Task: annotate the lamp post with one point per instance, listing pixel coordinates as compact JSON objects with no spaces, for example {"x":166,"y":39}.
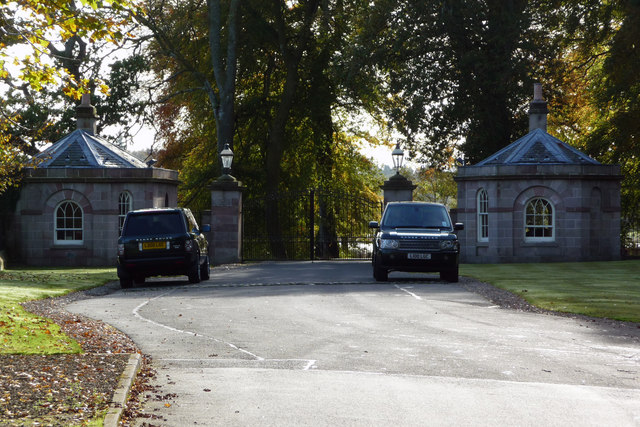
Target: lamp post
{"x":226,"y":214}
{"x":397,"y":155}
{"x":226,"y":155}
{"x":397,"y":188}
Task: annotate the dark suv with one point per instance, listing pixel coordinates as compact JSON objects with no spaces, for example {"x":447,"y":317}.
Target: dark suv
{"x":416,"y":236}
{"x":162,"y":242}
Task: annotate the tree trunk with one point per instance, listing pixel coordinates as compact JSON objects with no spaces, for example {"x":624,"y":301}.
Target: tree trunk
{"x":224,"y":70}
{"x":276,"y":142}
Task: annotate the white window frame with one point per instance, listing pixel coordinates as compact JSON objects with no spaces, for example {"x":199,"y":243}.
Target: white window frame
{"x":125,"y":204}
{"x":537,"y":217}
{"x":69,"y":226}
{"x":482,"y":209}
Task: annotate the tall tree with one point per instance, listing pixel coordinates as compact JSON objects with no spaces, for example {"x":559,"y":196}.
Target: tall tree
{"x":459,"y":71}
{"x":180,"y":42}
{"x":289,"y":81}
{"x":614,"y":134}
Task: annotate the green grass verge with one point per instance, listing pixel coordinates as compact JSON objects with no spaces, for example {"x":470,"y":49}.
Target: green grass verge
{"x":24,"y":333}
{"x":598,"y":289}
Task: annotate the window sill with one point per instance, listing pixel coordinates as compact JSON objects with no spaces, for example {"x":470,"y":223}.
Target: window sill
{"x":541,"y":243}
{"x":67,"y":246}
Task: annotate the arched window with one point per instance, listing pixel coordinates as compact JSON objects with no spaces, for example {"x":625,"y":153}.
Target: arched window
{"x":124,"y":206}
{"x":539,"y":221}
{"x":68,"y":223}
{"x":483,"y":216}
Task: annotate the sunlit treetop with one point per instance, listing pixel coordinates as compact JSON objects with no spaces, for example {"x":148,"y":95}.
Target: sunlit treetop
{"x":30,"y":28}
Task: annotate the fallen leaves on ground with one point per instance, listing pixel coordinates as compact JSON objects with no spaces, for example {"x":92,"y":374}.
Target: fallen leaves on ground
{"x":64,"y":389}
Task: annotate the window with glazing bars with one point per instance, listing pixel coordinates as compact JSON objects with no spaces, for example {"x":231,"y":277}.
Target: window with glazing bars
{"x":124,"y":206}
{"x":539,"y":220}
{"x":68,"y":223}
{"x":483,"y":216}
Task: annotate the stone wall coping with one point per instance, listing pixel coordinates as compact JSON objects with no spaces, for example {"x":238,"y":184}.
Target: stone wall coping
{"x":226,"y":185}
{"x":132,"y":175}
{"x":524,"y":172}
{"x":398,"y":182}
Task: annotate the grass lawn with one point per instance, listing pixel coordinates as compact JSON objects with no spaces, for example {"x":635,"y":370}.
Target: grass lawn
{"x":24,"y":333}
{"x":598,"y":289}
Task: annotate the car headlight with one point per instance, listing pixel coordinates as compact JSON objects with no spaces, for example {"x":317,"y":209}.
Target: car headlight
{"x":120,"y":249}
{"x":447,"y":245}
{"x":188,"y":245}
{"x":388,"y":244}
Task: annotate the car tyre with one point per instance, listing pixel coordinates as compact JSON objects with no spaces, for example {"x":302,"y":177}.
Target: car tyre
{"x":205,"y":270}
{"x":126,"y":282}
{"x":194,"y":272}
{"x":139,"y":280}
{"x":450,"y":275}
{"x":380,"y":274}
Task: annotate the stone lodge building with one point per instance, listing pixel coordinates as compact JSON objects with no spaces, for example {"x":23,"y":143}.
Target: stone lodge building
{"x":72,"y":204}
{"x":539,"y":200}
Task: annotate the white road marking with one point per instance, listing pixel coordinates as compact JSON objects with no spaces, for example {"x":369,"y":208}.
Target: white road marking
{"x":309,"y":365}
{"x":409,"y":292}
{"x":181,"y":331}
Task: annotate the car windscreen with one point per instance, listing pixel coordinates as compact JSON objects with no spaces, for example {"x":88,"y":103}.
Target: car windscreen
{"x":416,"y":216}
{"x":153,"y":224}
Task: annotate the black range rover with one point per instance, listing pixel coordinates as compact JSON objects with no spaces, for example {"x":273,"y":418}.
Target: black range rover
{"x":162,"y":242}
{"x":416,"y":236}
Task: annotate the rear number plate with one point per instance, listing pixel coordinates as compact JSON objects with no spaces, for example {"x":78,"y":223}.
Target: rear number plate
{"x":153,"y":245}
{"x":419,"y":256}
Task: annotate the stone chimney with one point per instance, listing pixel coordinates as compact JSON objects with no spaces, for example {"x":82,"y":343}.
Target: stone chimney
{"x":86,"y":115}
{"x":538,"y":110}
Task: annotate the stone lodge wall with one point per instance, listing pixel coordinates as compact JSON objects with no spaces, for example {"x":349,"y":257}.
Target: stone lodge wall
{"x":586,"y":214}
{"x":97,"y":194}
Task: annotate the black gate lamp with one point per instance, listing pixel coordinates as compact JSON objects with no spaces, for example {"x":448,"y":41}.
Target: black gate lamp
{"x":397,"y":154}
{"x":227,"y":159}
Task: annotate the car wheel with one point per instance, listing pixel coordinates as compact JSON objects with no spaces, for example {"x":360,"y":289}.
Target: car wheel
{"x":450,"y":275}
{"x":194,"y":272}
{"x":380,"y":274}
{"x":205,"y":270}
{"x":126,"y":283}
{"x":139,"y":280}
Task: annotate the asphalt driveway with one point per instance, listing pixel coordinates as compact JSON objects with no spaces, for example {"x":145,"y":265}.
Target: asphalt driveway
{"x":323,"y":344}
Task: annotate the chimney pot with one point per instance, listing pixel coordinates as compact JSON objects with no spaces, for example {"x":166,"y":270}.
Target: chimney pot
{"x":537,"y":92}
{"x":86,"y":116}
{"x":538,"y":110}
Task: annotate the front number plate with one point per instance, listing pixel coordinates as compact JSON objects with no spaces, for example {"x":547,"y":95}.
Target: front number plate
{"x":153,"y":245}
{"x":419,"y":256}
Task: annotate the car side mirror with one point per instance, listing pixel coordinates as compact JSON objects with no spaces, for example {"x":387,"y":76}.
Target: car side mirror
{"x":374,"y":224}
{"x":458,"y":226}
{"x":205,"y":228}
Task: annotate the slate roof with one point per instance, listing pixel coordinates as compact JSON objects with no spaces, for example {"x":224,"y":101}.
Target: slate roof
{"x":538,"y":147}
{"x":81,"y":149}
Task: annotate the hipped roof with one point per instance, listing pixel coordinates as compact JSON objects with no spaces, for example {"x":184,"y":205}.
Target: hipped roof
{"x":81,"y":149}
{"x":538,"y":147}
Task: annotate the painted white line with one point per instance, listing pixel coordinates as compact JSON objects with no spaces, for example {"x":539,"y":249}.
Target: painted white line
{"x":308,"y":364}
{"x":181,"y":331}
{"x":409,"y":292}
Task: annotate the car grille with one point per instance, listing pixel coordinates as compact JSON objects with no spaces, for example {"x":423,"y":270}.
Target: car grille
{"x":419,"y":244}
